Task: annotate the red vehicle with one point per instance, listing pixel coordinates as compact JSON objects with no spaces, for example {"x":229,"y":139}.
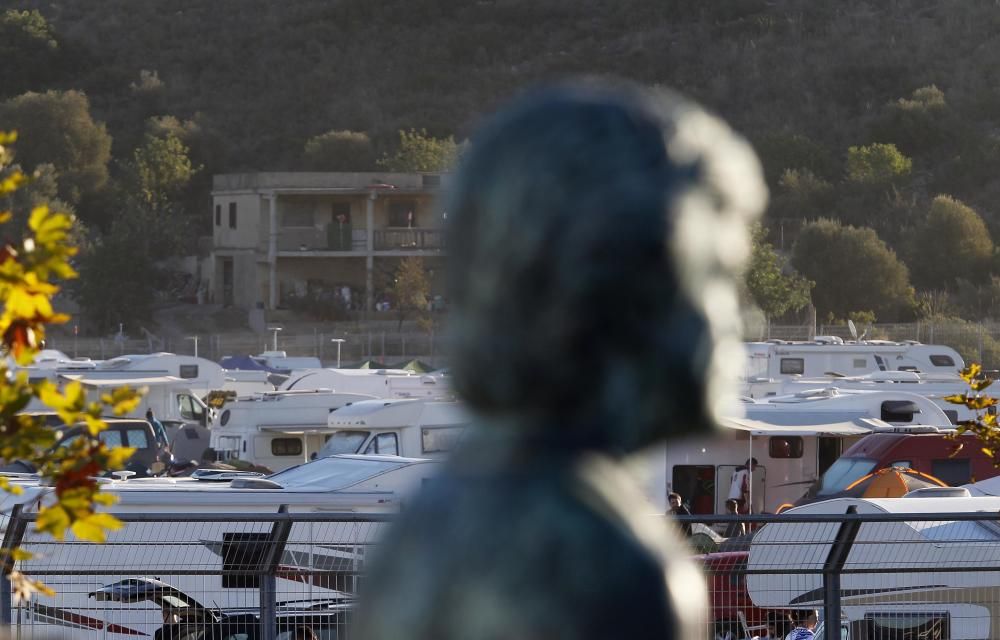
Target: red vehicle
{"x":953,"y":460}
{"x":734,"y":615}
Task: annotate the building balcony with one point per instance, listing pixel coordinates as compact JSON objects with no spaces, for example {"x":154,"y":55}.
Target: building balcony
{"x":343,"y":239}
{"x":413,"y":239}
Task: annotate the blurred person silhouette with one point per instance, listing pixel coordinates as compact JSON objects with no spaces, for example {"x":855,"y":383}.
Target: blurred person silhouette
{"x":677,"y":508}
{"x":736,"y":528}
{"x":595,"y":233}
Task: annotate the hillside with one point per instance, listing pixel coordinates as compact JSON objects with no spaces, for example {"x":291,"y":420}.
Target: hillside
{"x":250,"y":81}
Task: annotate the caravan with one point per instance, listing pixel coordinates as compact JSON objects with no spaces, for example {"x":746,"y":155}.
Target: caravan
{"x":381,"y":383}
{"x":406,"y":427}
{"x":794,"y":438}
{"x":278,"y":429}
{"x":903,"y":577}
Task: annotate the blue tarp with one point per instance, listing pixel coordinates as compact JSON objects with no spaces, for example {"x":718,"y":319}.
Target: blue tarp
{"x":246,"y":363}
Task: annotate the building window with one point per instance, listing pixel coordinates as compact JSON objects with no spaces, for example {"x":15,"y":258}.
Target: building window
{"x":431,"y":180}
{"x":786,"y":446}
{"x":232,"y":215}
{"x":218,"y":215}
{"x":403,"y":213}
{"x":341,"y":211}
{"x":286,"y":447}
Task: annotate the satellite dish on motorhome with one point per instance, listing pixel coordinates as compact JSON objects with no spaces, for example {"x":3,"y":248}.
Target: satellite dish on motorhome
{"x":853,"y":329}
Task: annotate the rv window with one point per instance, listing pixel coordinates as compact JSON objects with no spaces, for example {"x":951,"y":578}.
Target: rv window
{"x":952,"y":415}
{"x":942,"y":361}
{"x":908,"y":367}
{"x":954,"y":471}
{"x":386,"y":444}
{"x":189,"y":371}
{"x":843,"y":472}
{"x":186,"y":406}
{"x":898,"y":411}
{"x":344,"y":442}
{"x":785,"y":446}
{"x":860,"y":363}
{"x":439,"y":439}
{"x":137,"y":438}
{"x":904,"y":624}
{"x":793,"y":366}
{"x":906,"y":464}
{"x":880,"y":362}
{"x":286,"y":447}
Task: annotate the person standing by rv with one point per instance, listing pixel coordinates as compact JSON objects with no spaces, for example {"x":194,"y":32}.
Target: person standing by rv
{"x":678,"y":509}
{"x":739,"y":488}
{"x":735,"y":528}
{"x":804,"y":628}
{"x":158,"y":428}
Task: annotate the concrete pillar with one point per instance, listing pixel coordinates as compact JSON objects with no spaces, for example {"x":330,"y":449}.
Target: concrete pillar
{"x":272,"y":253}
{"x":370,"y":252}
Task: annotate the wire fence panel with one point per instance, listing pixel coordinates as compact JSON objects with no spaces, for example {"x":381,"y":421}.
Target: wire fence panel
{"x":183,"y":579}
{"x":187,"y":576}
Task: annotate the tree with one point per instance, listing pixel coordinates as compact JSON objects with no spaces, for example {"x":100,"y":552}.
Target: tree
{"x":417,"y":151}
{"x":158,"y":173}
{"x":339,"y":151}
{"x":781,"y":151}
{"x":30,"y":51}
{"x":853,"y":271}
{"x":410,"y":292}
{"x":918,"y":124}
{"x":771,"y":289}
{"x":952,"y":243}
{"x":28,"y":274}
{"x":118,"y":280}
{"x":802,"y":195}
{"x":62,"y":133}
{"x":877,"y":165}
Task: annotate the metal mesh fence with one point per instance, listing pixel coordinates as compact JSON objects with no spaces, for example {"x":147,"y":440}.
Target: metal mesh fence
{"x":197,"y":576}
{"x":191,"y":576}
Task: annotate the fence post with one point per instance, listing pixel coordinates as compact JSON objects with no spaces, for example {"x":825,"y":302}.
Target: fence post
{"x":831,"y":572}
{"x":11,"y":538}
{"x":268,"y":578}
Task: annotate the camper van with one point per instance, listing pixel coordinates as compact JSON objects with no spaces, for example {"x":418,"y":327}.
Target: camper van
{"x":278,"y":429}
{"x":953,"y":460}
{"x":779,"y":359}
{"x":381,"y":383}
{"x":885,"y":593}
{"x":794,"y":439}
{"x":415,"y":428}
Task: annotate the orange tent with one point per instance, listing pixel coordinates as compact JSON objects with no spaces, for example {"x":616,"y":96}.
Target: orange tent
{"x":890,"y":482}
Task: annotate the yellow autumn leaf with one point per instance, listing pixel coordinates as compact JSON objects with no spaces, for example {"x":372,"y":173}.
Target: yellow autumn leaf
{"x":955,"y":399}
{"x":8,"y":137}
{"x":6,"y":216}
{"x":971,"y":372}
{"x":118,"y":456}
{"x":17,"y":553}
{"x":980,"y":402}
{"x":105,"y":499}
{"x":94,"y":425}
{"x":86,"y":530}
{"x":53,"y":520}
{"x":988,"y":452}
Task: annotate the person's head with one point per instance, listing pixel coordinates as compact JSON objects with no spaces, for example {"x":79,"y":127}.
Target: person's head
{"x":732,"y":505}
{"x":809,"y":619}
{"x":595,"y":236}
{"x":303,"y":633}
{"x":675,"y":500}
{"x":751,"y":464}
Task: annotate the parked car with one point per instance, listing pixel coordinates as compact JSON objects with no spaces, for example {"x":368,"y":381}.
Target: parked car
{"x":151,"y":457}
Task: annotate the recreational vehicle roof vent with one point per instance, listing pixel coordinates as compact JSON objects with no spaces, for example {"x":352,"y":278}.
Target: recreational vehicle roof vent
{"x":254,"y":483}
{"x":828,"y":340}
{"x":222,"y":475}
{"x":939,"y":492}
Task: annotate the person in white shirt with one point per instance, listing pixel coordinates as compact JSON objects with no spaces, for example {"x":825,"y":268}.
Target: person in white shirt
{"x":739,"y":488}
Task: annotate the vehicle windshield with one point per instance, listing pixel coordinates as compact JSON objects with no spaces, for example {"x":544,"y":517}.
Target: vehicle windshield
{"x":842,"y":473}
{"x":332,"y":473}
{"x":344,"y":442}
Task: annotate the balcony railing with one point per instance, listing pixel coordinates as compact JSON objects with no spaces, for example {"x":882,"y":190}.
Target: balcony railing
{"x":409,"y":239}
{"x":355,"y":240}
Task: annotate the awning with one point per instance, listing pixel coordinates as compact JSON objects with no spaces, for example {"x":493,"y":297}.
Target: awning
{"x":299,"y":429}
{"x":120,"y":381}
{"x":858,"y":427}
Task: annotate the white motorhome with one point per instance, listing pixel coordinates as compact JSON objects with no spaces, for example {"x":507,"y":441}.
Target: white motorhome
{"x":935,"y":387}
{"x":181,"y":552}
{"x":278,"y":429}
{"x":794,"y":438}
{"x":200,"y":375}
{"x":889,"y":595}
{"x":381,"y":383}
{"x":406,"y":427}
{"x":778,"y":359}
